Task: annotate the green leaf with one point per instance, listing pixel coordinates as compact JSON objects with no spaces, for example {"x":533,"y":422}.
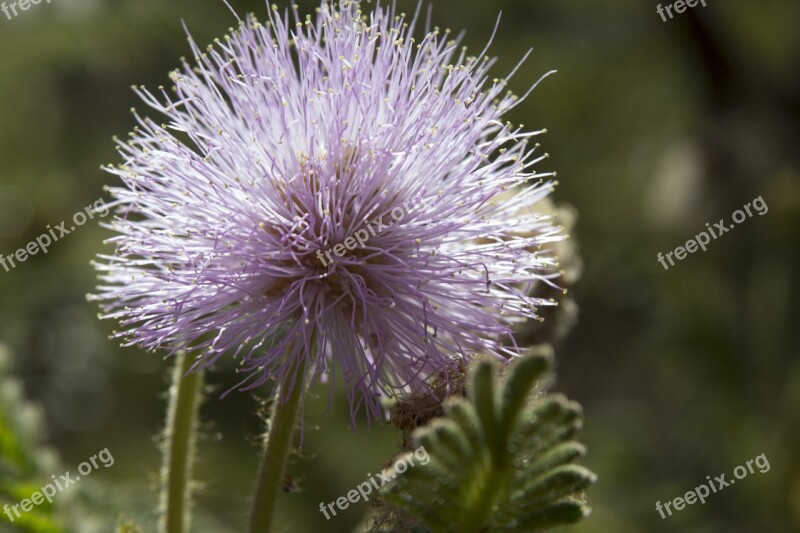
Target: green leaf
{"x":501,"y":459}
{"x":23,"y":461}
{"x":128,"y":526}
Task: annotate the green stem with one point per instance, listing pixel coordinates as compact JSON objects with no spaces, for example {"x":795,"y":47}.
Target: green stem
{"x":179,"y":447}
{"x":276,"y":450}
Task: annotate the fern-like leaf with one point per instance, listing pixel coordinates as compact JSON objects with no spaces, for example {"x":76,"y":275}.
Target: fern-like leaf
{"x":22,"y":459}
{"x":501,"y":459}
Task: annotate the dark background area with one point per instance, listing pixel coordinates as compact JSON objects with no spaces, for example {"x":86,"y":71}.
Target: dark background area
{"x":654,"y":128}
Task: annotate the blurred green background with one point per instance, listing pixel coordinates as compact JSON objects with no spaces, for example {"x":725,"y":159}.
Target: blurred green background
{"x":655,"y":129}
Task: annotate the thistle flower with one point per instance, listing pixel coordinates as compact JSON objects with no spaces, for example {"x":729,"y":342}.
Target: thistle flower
{"x":283,"y":141}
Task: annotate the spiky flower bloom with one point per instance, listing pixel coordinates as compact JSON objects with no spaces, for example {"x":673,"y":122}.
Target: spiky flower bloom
{"x":291,"y":139}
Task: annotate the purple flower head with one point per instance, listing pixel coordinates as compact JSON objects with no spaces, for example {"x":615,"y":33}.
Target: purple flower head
{"x":241,"y":224}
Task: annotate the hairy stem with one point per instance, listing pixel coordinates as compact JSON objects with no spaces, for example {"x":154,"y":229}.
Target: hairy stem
{"x":276,"y":449}
{"x":185,"y":396}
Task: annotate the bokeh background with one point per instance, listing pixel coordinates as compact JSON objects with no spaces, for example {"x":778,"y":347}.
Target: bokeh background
{"x":654,"y":128}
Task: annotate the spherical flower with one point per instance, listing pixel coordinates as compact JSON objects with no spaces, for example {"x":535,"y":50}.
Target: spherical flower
{"x":325,"y":191}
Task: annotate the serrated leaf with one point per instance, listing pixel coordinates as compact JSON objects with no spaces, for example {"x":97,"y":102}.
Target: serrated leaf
{"x":500,"y":460}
